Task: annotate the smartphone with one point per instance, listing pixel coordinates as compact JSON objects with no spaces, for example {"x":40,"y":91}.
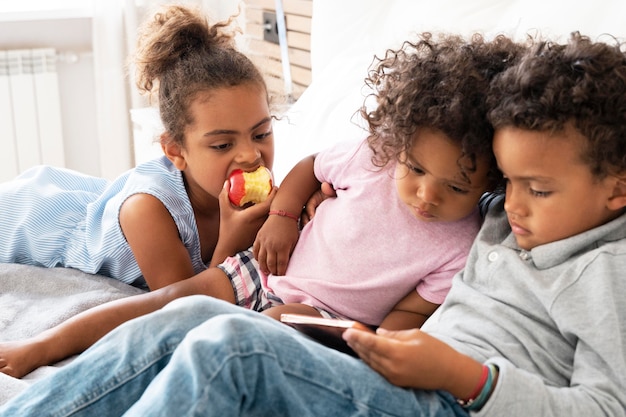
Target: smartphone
{"x":325,"y":331}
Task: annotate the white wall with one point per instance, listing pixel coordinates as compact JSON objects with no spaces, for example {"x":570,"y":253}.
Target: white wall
{"x":76,"y":81}
{"x":220,"y":9}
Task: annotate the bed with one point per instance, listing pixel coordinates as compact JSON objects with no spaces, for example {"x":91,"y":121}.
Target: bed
{"x":33,"y":299}
{"x":345,"y":35}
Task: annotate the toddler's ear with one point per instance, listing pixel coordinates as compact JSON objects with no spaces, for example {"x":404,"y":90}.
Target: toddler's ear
{"x":617,"y":201}
{"x":173,"y":151}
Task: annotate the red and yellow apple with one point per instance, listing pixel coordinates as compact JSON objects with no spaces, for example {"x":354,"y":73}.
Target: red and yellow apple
{"x":249,"y":187}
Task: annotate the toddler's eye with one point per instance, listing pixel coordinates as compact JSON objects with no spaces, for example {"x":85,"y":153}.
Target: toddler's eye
{"x":458,"y":190}
{"x":263,"y":135}
{"x":413,"y":168}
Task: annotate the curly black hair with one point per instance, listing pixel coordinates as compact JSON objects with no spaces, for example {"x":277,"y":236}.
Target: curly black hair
{"x":438,"y":83}
{"x":581,"y":82}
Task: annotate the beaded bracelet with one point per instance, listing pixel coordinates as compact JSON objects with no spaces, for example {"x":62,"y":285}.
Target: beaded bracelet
{"x":481,"y":383}
{"x":283,"y":213}
{"x":480,"y":396}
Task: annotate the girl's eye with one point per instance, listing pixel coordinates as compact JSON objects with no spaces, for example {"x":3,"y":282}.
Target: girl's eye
{"x":263,"y":135}
{"x":536,"y":193}
{"x":221,"y":147}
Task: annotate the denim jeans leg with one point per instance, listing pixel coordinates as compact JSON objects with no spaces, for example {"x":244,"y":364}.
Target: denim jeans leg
{"x":110,"y":376}
{"x":238,"y":365}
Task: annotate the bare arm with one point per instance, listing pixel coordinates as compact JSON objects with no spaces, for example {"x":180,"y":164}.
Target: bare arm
{"x":153,"y":238}
{"x":83,"y":330}
{"x":411,"y":312}
{"x":278,"y":235}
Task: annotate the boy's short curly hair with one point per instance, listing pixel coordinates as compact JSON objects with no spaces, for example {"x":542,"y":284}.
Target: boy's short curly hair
{"x":581,"y":82}
{"x":439,"y":83}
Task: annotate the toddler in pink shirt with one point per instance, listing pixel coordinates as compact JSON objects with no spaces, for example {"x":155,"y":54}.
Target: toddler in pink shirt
{"x":385,"y":249}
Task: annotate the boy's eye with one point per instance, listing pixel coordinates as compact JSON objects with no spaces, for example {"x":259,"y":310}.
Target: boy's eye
{"x":536,"y":193}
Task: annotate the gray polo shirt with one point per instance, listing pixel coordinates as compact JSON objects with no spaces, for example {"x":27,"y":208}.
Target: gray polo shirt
{"x":553,"y":319}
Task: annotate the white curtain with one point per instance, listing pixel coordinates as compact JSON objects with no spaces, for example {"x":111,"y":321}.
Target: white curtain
{"x":110,"y":51}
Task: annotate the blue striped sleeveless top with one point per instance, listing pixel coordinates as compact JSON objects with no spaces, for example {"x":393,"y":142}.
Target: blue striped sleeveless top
{"x":57,"y":217}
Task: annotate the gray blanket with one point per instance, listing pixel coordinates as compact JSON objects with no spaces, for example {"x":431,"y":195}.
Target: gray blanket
{"x":33,"y":299}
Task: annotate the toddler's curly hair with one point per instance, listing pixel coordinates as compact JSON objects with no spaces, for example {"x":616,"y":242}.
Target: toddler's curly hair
{"x":438,"y":83}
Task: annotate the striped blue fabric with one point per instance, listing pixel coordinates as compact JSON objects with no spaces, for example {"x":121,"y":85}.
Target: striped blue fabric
{"x":57,"y":217}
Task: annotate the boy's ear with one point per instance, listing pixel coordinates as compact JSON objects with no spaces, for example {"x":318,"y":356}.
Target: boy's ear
{"x":617,"y":201}
{"x":173,"y":151}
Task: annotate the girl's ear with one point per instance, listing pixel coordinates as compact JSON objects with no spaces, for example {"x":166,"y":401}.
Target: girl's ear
{"x":173,"y":151}
{"x":617,"y":201}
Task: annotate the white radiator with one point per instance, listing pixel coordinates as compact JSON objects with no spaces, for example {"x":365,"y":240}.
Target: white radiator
{"x":30,"y":111}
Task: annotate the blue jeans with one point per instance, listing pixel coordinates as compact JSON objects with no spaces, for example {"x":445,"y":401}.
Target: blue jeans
{"x":200,"y":356}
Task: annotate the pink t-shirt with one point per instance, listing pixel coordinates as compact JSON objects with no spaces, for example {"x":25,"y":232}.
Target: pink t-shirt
{"x":364,"y":250}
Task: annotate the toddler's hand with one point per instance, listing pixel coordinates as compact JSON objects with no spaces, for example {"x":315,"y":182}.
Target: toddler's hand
{"x":274,"y":243}
{"x":326,"y":191}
